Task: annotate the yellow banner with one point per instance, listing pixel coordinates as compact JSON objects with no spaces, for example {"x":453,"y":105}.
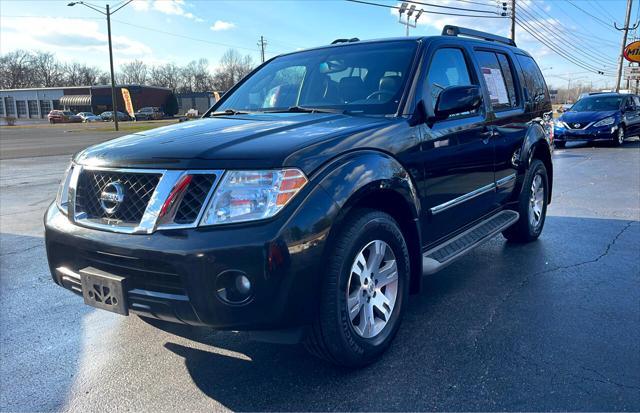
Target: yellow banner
{"x":126,"y":96}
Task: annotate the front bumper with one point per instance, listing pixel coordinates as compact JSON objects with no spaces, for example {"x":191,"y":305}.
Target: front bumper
{"x":605,"y":133}
{"x":172,"y":274}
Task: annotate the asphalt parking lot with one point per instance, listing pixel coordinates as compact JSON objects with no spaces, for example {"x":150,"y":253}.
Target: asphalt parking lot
{"x":552,"y":325}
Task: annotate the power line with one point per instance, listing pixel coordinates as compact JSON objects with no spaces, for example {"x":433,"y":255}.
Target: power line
{"x":604,"y":10}
{"x":604,"y":23}
{"x":542,"y":28}
{"x":588,"y":37}
{"x":450,"y":7}
{"x":185,"y":37}
{"x":477,"y":3}
{"x":427,"y":11}
{"x":527,"y":28}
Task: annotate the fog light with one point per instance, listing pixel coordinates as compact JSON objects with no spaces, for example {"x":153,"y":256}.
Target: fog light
{"x":243,"y":285}
{"x":233,"y":287}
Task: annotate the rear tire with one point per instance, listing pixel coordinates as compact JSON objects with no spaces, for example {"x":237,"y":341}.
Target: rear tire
{"x":532,"y":205}
{"x":364,"y":291}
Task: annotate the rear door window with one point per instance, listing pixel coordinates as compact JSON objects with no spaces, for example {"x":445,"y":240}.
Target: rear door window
{"x":448,"y":68}
{"x":498,"y":78}
{"x":533,"y":79}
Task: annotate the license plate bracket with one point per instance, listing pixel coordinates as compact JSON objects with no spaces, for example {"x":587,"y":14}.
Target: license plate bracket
{"x":103,"y":290}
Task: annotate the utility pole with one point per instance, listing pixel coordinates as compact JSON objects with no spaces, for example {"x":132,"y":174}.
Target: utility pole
{"x":262,"y":43}
{"x":513,"y":20}
{"x":107,"y":12}
{"x":625,"y":31}
{"x":113,"y":79}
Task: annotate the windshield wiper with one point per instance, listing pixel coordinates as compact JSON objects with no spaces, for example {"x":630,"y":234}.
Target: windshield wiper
{"x":228,"y":112}
{"x":300,"y":109}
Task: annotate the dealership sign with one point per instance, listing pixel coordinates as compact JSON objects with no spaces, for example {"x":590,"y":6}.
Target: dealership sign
{"x":632,"y":52}
{"x":632,"y":73}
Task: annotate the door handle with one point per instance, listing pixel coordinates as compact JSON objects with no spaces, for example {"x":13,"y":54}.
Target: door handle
{"x":487,"y":135}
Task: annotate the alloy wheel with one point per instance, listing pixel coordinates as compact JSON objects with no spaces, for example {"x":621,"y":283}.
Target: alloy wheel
{"x":372,"y":289}
{"x":536,"y":201}
{"x":620,"y":136}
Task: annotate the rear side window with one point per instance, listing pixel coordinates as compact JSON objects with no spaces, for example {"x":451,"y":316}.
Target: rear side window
{"x":448,"y":68}
{"x":533,"y":79}
{"x":636,"y":101}
{"x":498,"y":76}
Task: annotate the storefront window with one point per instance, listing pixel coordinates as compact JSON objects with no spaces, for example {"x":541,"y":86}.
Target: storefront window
{"x":21,"y":106}
{"x":33,"y":108}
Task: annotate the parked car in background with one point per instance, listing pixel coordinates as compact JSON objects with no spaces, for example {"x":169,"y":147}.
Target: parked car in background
{"x":565,"y":107}
{"x":63,"y":116}
{"x":108,"y":115}
{"x":149,"y":113}
{"x":312,"y":198}
{"x":609,"y":117}
{"x":89,"y":117}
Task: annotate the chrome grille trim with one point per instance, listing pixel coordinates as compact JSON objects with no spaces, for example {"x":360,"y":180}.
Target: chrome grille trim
{"x":148,"y":223}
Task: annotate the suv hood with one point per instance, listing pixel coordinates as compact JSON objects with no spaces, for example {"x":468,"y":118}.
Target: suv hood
{"x":241,"y":141}
{"x":586,"y":117}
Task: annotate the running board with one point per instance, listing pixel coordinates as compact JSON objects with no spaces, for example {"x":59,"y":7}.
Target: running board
{"x":439,"y":257}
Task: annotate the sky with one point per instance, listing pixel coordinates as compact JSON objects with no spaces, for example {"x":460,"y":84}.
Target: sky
{"x":163,"y":31}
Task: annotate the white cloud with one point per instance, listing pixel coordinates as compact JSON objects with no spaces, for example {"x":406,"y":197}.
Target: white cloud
{"x":220,"y":25}
{"x":174,"y":7}
{"x":65,"y":37}
{"x":169,"y":7}
{"x":141,"y":5}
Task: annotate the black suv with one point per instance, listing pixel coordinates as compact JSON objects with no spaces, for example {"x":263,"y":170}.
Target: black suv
{"x":311,"y":199}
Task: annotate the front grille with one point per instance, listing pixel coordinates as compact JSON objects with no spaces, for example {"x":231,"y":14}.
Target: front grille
{"x":138,"y":189}
{"x":194,"y":198}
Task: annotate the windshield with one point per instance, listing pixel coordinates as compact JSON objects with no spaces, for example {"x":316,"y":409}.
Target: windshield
{"x":597,"y":104}
{"x":365,"y":78}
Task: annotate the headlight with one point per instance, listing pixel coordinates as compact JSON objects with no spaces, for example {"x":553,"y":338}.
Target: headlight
{"x":605,"y":122}
{"x":62,"y":197}
{"x":252,"y":195}
{"x":558,"y":124}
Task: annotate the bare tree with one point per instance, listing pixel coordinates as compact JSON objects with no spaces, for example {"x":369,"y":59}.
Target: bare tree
{"x":46,"y":70}
{"x":168,"y":75}
{"x":195,"y":77}
{"x":15,"y":70}
{"x":134,"y":72}
{"x":233,"y":67}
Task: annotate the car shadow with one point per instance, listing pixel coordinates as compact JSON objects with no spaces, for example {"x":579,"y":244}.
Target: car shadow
{"x":631,"y":142}
{"x":475,"y":338}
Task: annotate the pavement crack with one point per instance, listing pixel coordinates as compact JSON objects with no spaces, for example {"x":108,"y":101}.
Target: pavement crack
{"x":33,"y":247}
{"x":492,"y":314}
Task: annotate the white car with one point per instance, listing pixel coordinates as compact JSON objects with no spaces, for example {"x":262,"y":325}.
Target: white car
{"x":89,"y":117}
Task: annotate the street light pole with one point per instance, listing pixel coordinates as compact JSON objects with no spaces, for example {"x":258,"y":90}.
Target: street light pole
{"x":107,"y":12}
{"x":113,"y":80}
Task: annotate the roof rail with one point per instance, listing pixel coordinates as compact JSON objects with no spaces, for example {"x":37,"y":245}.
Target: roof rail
{"x":450,"y":30}
{"x":353,"y":39}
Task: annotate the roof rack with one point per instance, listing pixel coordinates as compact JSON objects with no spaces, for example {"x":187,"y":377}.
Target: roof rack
{"x":450,"y":30}
{"x":353,"y":39}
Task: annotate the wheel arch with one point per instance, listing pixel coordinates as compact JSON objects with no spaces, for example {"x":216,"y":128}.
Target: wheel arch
{"x":536,"y":146}
{"x":376,"y":180}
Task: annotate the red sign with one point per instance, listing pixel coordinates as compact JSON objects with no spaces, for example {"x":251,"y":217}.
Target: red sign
{"x":632,"y":52}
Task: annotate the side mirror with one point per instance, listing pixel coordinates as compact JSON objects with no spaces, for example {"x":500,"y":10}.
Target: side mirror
{"x":457,"y":99}
{"x":419,"y":115}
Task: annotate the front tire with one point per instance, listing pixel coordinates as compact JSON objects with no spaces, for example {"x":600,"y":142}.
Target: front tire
{"x":532,"y":205}
{"x":364,"y":291}
{"x":620,"y":136}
